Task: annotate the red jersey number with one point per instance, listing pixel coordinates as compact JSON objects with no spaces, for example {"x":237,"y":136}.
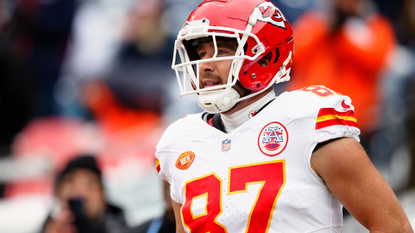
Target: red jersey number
{"x":210,"y":188}
{"x":321,"y":91}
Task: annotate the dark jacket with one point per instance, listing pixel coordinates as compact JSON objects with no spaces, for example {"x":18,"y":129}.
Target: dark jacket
{"x":155,"y":225}
{"x":113,"y":221}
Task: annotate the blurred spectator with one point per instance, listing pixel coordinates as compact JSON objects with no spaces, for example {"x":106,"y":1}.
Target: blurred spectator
{"x":162,"y":224}
{"x":407,"y":27}
{"x":345,"y":51}
{"x":143,"y":63}
{"x":410,"y":124}
{"x":141,"y":77}
{"x":112,"y":114}
{"x":95,"y":40}
{"x":295,"y":8}
{"x":16,"y":105}
{"x":40,"y":31}
{"x":402,"y":15}
{"x":82,"y":206}
{"x":393,"y":143}
{"x":389,"y":144}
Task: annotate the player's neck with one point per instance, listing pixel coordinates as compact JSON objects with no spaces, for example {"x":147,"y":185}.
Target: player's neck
{"x":233,"y":120}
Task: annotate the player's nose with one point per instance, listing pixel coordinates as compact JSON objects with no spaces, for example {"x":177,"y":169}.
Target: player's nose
{"x":206,"y":66}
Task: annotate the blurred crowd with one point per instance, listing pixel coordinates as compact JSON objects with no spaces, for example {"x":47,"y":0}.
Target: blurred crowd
{"x":93,"y":77}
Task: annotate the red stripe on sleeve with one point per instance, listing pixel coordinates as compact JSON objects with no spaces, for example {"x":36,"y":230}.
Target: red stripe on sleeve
{"x":329,"y":117}
{"x":329,"y":111}
{"x":337,"y":121}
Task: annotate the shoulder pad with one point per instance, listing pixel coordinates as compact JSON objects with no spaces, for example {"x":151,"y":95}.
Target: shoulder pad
{"x":318,"y":100}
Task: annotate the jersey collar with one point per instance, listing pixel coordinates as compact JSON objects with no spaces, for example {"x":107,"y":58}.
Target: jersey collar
{"x":227,"y":123}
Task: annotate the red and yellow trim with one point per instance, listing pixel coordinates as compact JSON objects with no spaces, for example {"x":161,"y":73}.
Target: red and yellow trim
{"x":158,"y":165}
{"x":329,"y":117}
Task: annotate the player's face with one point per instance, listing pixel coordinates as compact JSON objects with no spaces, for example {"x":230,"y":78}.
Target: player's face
{"x":215,"y":73}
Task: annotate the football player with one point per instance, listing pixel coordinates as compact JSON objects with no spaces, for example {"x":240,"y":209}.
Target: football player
{"x":254,"y":161}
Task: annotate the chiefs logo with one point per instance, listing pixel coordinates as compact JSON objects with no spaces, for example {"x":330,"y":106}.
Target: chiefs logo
{"x":273,"y":139}
{"x":270,"y":14}
{"x":185,"y":160}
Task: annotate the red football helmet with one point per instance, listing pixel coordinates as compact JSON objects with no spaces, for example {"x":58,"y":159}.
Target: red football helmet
{"x":259,"y":29}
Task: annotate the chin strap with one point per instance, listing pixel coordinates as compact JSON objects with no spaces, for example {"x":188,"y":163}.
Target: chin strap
{"x":284,"y":73}
{"x":218,"y":101}
{"x":223,"y":100}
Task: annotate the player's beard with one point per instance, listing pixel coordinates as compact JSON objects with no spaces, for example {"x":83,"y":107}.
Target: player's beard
{"x":210,"y":76}
{"x":238,"y":86}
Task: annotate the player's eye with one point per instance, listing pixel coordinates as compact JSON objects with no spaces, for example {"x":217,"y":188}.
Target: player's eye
{"x":202,"y":55}
{"x":223,"y":52}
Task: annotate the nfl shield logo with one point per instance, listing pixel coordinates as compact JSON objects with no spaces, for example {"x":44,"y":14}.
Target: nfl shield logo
{"x":226,"y":145}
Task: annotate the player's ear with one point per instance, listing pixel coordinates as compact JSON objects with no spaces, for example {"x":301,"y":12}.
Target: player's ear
{"x":265,"y":60}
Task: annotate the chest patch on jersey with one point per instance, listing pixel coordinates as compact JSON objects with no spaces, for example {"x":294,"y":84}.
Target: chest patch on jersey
{"x":185,"y":160}
{"x":226,"y":145}
{"x":273,"y":139}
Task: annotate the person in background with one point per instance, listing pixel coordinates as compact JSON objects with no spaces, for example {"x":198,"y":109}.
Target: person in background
{"x":162,"y":224}
{"x":82,"y":206}
{"x":40,"y":33}
{"x":345,"y":49}
{"x":16,"y":104}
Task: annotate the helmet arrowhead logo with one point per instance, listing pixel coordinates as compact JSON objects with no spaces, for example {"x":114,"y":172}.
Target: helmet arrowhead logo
{"x":271,"y":14}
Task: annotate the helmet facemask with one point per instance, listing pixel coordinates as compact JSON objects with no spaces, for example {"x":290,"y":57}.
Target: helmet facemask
{"x":217,"y":98}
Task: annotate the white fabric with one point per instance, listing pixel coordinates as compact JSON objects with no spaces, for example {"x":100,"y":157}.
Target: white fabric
{"x":234,"y":120}
{"x":304,"y":203}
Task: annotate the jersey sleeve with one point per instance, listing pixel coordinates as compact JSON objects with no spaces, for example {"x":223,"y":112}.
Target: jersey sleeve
{"x":162,"y":155}
{"x":328,"y":114}
{"x":334,"y":115}
{"x":164,"y":160}
{"x":336,"y":119}
{"x":167,"y":152}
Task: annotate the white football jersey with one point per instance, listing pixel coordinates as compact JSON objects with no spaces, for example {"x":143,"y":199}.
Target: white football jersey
{"x":258,"y":178}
